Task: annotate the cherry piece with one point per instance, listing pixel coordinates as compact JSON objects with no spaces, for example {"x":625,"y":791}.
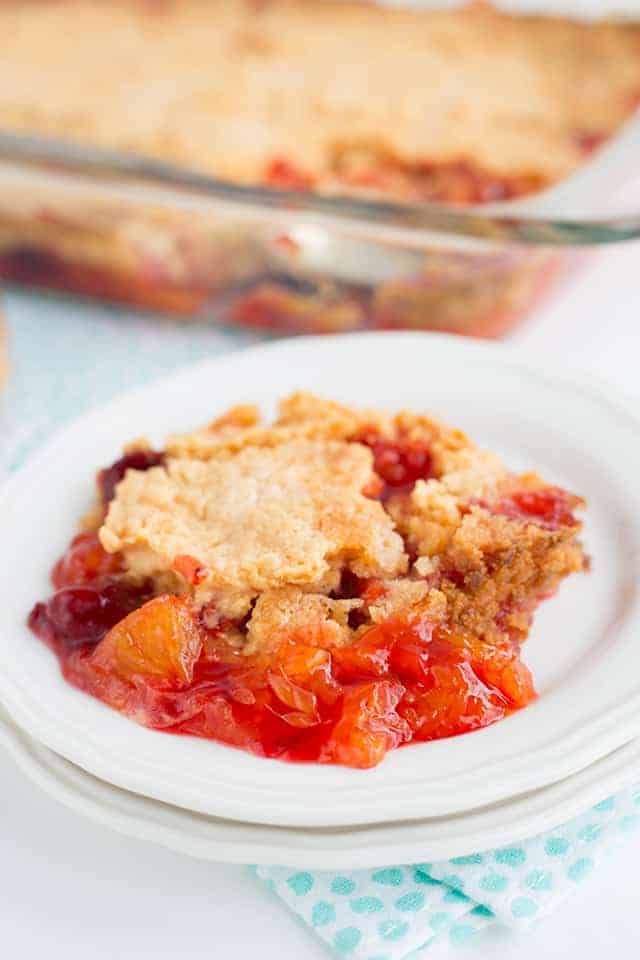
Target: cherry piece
{"x":110,"y":477}
{"x":399,"y":464}
{"x":552,"y":507}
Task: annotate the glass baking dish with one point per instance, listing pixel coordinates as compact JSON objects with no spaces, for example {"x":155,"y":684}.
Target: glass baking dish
{"x":137,"y":231}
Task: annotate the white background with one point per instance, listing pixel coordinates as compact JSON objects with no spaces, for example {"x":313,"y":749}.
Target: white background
{"x":70,"y":890}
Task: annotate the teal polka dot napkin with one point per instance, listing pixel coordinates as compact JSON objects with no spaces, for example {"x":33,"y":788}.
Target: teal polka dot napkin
{"x":394,"y":912}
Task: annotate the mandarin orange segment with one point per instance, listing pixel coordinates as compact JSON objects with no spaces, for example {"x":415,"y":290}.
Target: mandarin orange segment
{"x":369,"y":725}
{"x":294,"y":696}
{"x":369,"y":657}
{"x":455,"y":702}
{"x":497,"y":663}
{"x":513,"y":679}
{"x":160,"y":639}
{"x":310,"y":667}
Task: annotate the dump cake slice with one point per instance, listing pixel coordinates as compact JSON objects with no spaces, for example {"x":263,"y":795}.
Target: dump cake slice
{"x":323,"y":588}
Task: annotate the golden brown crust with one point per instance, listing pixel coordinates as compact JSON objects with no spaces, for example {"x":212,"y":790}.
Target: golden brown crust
{"x":501,"y":564}
{"x":399,"y":596}
{"x":301,"y":416}
{"x":262,"y":521}
{"x":226,"y":86}
{"x":259,"y":519}
{"x":289,"y":613}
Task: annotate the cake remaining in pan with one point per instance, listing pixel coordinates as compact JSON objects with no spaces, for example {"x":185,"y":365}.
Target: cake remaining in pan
{"x":461,"y":107}
{"x":458,"y":105}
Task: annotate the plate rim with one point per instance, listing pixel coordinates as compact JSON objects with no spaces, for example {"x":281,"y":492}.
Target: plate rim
{"x":606,"y":734}
{"x":379,"y":845}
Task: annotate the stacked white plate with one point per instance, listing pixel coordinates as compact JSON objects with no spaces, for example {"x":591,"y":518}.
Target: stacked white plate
{"x":573,"y":746}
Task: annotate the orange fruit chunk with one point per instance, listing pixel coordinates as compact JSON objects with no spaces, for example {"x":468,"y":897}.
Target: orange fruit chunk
{"x":160,"y":639}
{"x":369,"y":725}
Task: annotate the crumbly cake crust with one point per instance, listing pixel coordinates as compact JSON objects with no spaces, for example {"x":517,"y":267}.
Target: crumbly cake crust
{"x":301,"y":417}
{"x":290,"y":613}
{"x":261,"y":521}
{"x":229,"y":86}
{"x":258,"y":519}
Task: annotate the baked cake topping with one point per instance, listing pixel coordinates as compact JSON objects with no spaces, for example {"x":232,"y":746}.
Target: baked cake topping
{"x":255,"y":520}
{"x":323,"y":588}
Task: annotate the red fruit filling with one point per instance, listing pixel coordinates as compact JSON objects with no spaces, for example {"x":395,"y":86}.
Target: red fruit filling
{"x":84,"y":562}
{"x":398,"y":464}
{"x":155,"y":660}
{"x":83,"y":615}
{"x":171,"y":667}
{"x":287,"y":175}
{"x":550,"y":507}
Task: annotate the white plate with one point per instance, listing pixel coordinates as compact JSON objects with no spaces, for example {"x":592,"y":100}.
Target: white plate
{"x":379,"y":845}
{"x":584,"y":651}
